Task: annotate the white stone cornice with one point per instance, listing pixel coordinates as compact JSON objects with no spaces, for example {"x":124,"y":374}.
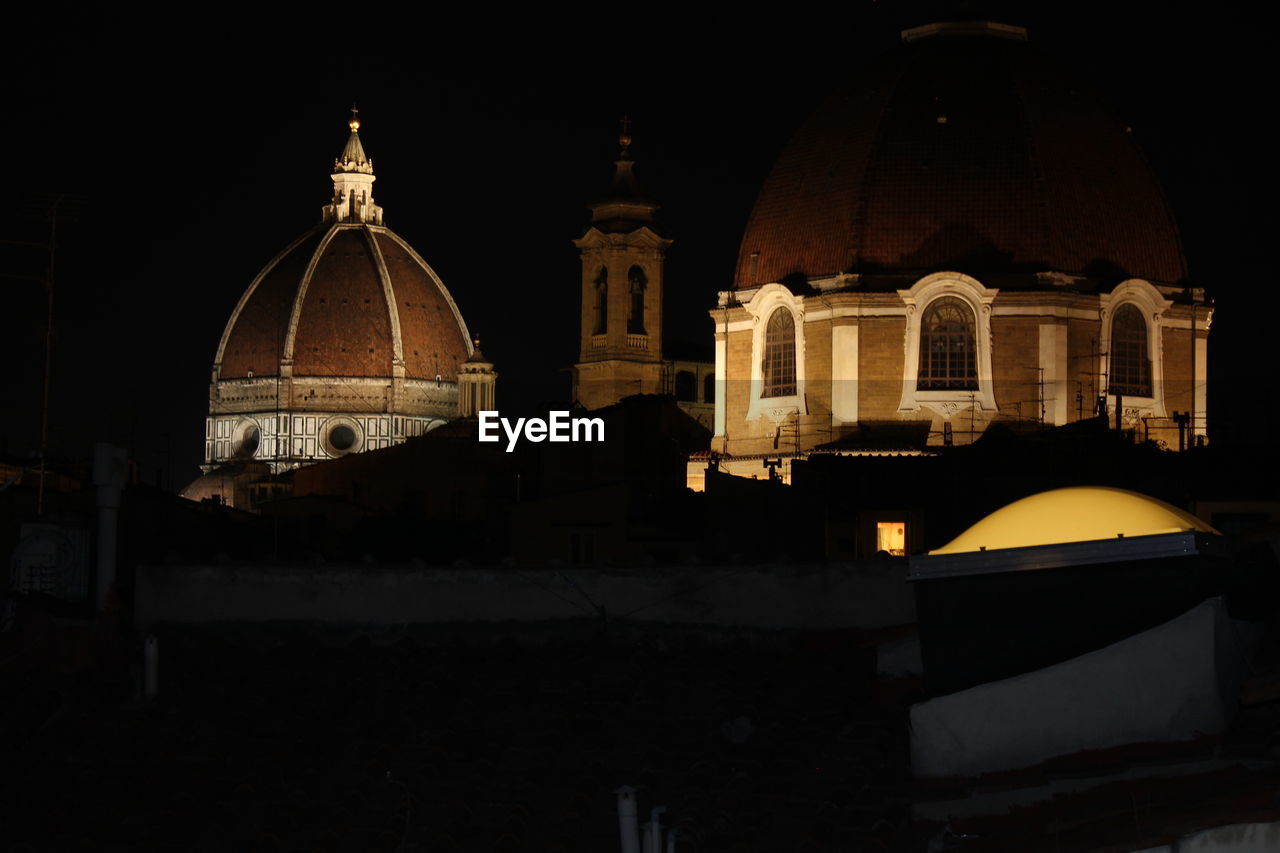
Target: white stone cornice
{"x":642,"y":237}
{"x":1138,"y":291}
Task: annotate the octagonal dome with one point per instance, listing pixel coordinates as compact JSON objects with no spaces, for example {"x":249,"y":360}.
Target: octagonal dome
{"x":348,"y":299}
{"x":965,"y":150}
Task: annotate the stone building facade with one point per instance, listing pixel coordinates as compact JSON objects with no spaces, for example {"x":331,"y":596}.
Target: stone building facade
{"x":961,"y":238}
{"x":622,"y":254}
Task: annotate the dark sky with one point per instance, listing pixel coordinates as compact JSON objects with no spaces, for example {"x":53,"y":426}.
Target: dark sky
{"x":194,"y":150}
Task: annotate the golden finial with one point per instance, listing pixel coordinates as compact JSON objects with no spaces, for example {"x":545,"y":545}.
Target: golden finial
{"x":354,"y":124}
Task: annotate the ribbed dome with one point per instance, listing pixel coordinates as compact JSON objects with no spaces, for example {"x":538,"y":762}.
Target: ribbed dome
{"x":961,"y":151}
{"x":1076,"y":514}
{"x":348,"y":299}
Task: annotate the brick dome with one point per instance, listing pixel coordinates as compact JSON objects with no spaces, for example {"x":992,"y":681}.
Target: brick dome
{"x":346,"y":341}
{"x":963,"y":150}
{"x":348,"y":299}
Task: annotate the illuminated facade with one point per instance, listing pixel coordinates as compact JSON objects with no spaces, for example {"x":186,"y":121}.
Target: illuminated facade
{"x":961,"y":238}
{"x":622,"y":253}
{"x":621,"y":350}
{"x":346,"y":341}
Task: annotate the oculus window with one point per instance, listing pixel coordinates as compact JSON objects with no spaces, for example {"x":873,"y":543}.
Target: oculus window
{"x":342,"y":437}
{"x":250,"y":438}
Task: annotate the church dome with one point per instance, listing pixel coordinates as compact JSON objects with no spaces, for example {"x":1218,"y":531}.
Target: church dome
{"x":1077,"y":514}
{"x":357,"y":299}
{"x":350,"y":298}
{"x":963,"y":150}
{"x":347,"y":341}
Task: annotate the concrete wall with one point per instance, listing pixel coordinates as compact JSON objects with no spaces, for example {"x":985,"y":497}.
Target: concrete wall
{"x":1162,"y":685}
{"x":765,"y":597}
{"x":1236,"y":838}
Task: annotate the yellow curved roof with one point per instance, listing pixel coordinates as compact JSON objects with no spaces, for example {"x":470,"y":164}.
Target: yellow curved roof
{"x":1077,"y":514}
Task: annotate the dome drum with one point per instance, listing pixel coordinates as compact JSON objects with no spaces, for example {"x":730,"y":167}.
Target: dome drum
{"x":288,"y":440}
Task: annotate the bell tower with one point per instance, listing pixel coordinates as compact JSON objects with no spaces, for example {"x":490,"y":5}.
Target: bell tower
{"x":622,"y":254}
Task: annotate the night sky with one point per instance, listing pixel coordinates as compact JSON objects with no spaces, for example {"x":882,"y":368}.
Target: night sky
{"x":193,"y":150}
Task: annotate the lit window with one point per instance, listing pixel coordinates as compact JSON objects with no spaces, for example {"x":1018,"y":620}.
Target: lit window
{"x":948,"y":356}
{"x":637,"y":281}
{"x":1130,"y":367}
{"x":891,"y":538}
{"x":779,"y":367}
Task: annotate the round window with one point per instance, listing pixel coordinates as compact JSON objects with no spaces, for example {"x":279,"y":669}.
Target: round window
{"x":342,"y":437}
{"x":249,"y":440}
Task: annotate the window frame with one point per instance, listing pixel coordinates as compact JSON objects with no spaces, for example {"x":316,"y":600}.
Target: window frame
{"x":950,"y":380}
{"x":777,"y":351}
{"x":1153,"y":307}
{"x":978,"y":299}
{"x":600,"y":312}
{"x":636,"y":299}
{"x":761,"y":307}
{"x":1136,"y":354}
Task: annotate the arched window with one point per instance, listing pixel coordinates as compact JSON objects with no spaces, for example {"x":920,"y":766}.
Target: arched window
{"x":686,"y":387}
{"x":602,"y":302}
{"x":709,"y":388}
{"x":1130,"y":366}
{"x":637,"y":281}
{"x":779,"y":366}
{"x":948,"y":355}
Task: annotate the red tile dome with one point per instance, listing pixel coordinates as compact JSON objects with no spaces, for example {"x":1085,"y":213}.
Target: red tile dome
{"x":964,"y":150}
{"x":348,"y":299}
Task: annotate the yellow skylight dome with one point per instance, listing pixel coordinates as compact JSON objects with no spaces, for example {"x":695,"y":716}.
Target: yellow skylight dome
{"x":1077,"y":514}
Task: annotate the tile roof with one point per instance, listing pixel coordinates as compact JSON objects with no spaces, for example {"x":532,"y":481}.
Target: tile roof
{"x":970,"y":153}
{"x":344,"y":322}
